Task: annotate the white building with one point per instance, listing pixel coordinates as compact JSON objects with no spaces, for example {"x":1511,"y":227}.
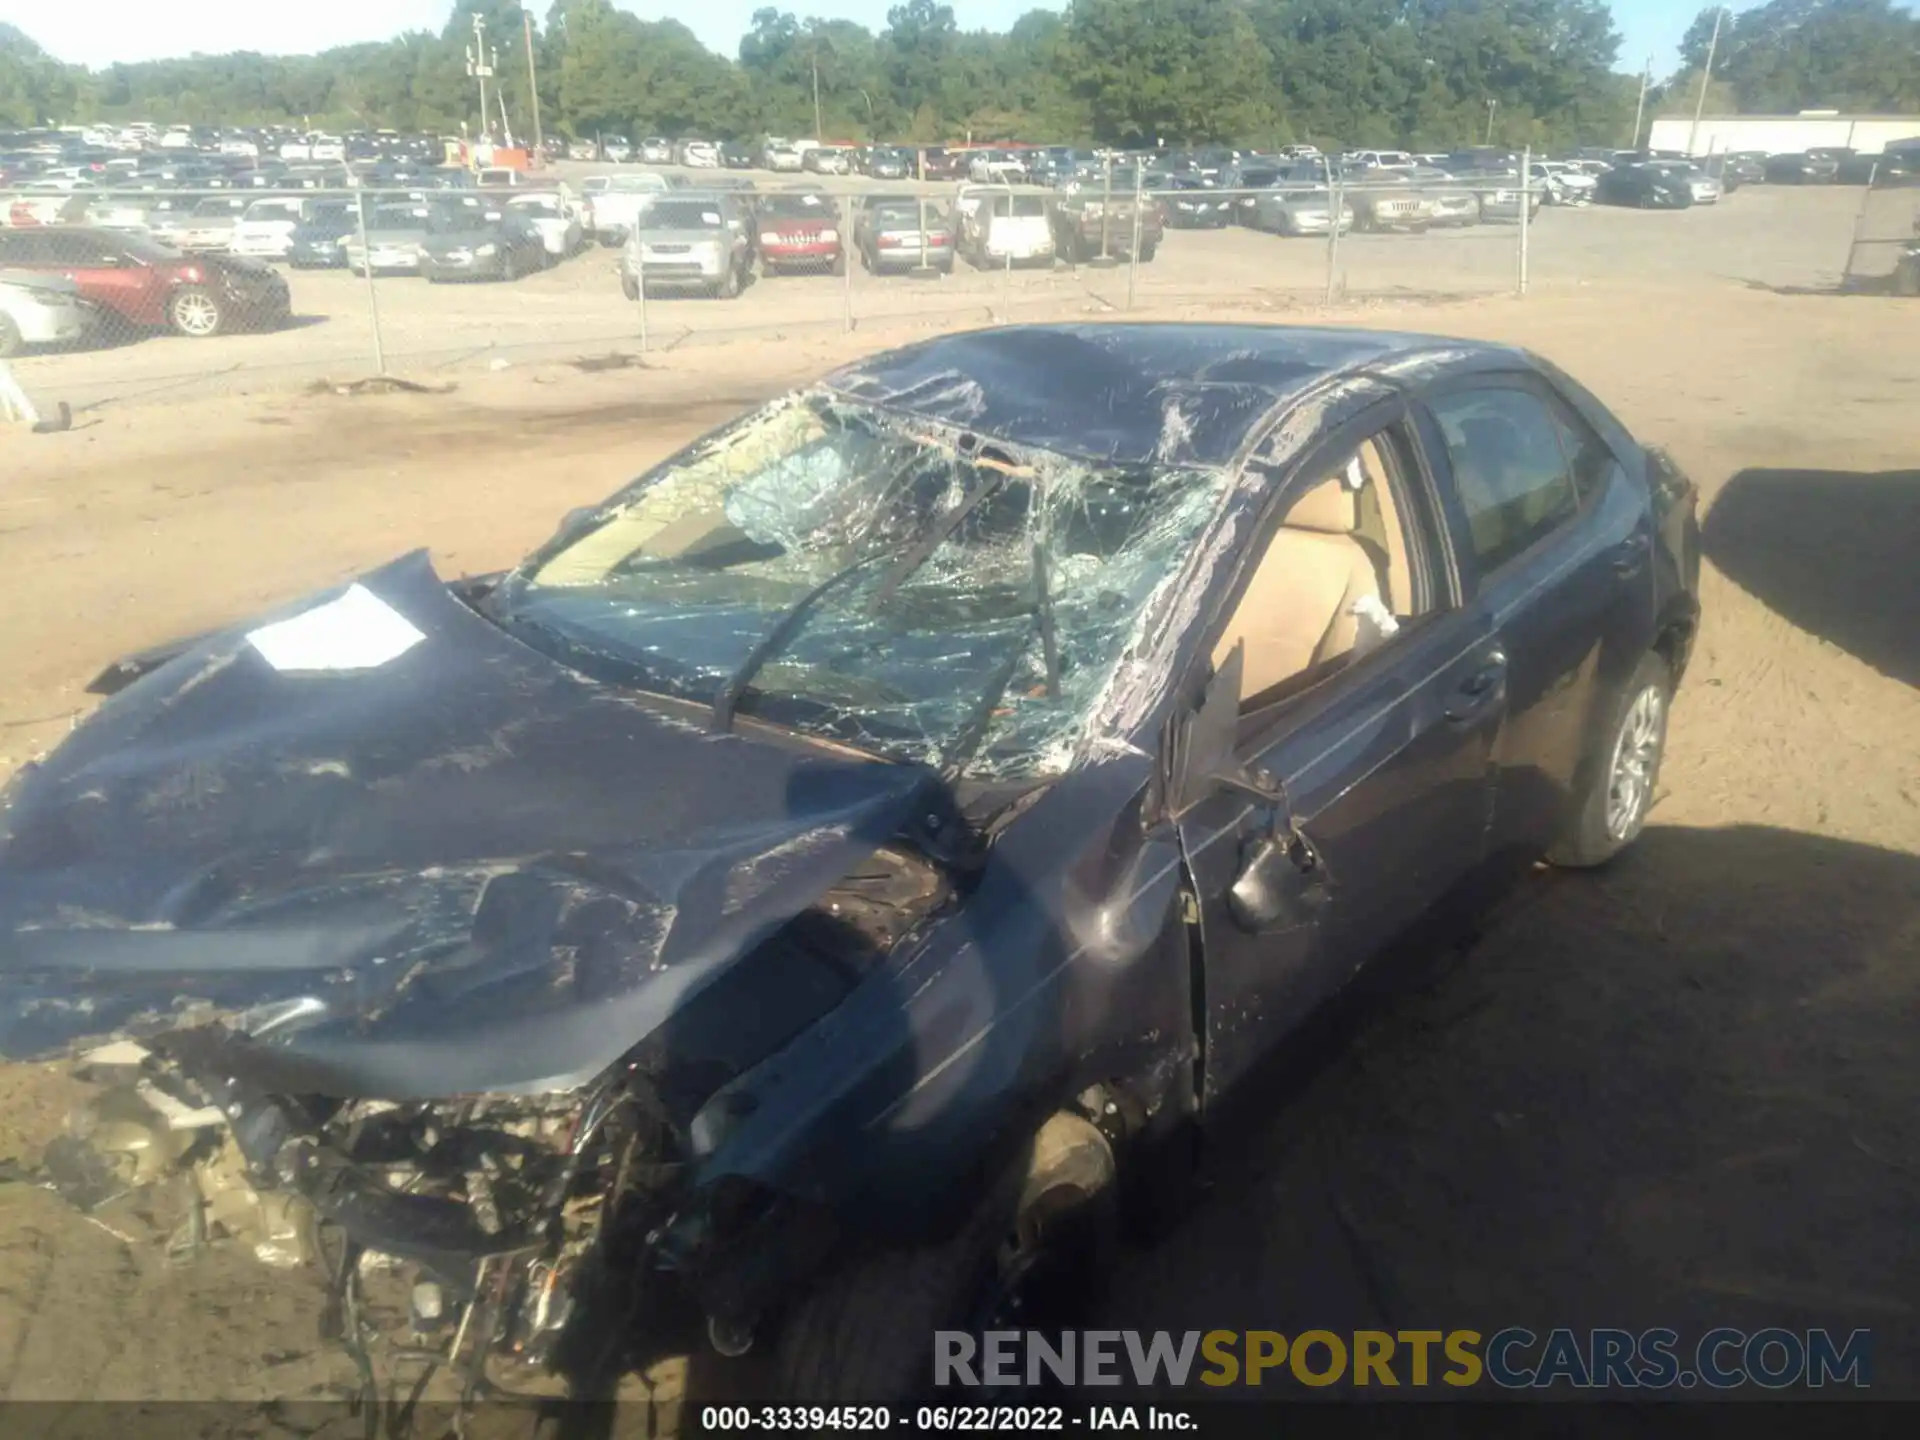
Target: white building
{"x":1783,"y":134}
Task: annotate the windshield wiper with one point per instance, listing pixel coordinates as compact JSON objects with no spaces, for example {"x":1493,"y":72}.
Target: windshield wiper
{"x":775,"y":640}
{"x":907,"y":559}
{"x":937,"y":534}
{"x":974,"y":731}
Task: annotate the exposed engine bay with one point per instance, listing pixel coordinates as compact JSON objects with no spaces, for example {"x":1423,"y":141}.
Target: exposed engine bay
{"x":465,"y":1241}
{"x":451,"y":1236}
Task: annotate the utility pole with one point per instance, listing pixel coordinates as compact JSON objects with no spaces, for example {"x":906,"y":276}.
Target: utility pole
{"x":1706,"y":76}
{"x":480,"y":63}
{"x":533,"y":84}
{"x":815,"y":55}
{"x":1492,"y":107}
{"x":1640,"y":110}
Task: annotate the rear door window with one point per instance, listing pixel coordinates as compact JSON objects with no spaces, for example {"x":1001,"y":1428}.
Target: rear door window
{"x":1508,"y":469}
{"x":1590,"y":459}
{"x":79,"y":251}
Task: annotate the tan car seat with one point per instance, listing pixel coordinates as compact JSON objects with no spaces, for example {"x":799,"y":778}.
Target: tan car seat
{"x":1380,"y":527}
{"x":1298,"y":609}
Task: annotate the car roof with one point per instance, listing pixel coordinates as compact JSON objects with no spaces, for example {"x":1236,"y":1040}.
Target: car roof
{"x":1109,"y":392}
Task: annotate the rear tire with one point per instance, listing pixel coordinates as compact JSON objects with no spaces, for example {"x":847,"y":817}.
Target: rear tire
{"x":1622,"y":771}
{"x":629,"y":287}
{"x":840,"y":264}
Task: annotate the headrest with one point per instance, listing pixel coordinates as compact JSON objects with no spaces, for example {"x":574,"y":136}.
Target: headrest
{"x":1328,"y":508}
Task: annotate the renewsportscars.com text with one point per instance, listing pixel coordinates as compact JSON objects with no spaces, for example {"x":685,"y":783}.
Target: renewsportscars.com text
{"x":1515,"y":1358}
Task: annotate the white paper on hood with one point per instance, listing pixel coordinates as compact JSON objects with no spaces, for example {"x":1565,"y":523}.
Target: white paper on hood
{"x":356,"y":632}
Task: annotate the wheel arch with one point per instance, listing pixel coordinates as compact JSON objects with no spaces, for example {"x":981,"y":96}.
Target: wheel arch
{"x":1675,"y":631}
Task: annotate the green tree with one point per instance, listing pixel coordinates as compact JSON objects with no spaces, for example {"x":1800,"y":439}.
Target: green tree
{"x":1433,"y":73}
{"x":1790,"y":55}
{"x":1169,"y":71}
{"x":1422,"y":73}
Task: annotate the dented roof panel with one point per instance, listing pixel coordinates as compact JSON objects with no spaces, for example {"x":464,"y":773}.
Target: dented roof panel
{"x":1146,"y":394}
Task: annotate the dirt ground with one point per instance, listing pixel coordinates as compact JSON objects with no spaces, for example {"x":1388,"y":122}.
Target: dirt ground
{"x":1679,"y":1092}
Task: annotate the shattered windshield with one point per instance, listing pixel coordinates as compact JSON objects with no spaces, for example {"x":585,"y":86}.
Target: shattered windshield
{"x":954,"y":601}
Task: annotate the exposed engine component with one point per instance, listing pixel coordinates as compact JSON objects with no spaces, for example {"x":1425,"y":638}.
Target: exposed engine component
{"x":453,"y":1236}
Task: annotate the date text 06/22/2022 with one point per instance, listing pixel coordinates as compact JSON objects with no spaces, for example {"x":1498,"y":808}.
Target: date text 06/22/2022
{"x":942,"y":1419}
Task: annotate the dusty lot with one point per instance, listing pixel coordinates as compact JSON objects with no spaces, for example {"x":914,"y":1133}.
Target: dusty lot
{"x":1679,"y":1092}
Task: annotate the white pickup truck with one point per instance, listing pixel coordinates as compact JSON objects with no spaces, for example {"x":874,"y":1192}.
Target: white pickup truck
{"x":618,"y":206}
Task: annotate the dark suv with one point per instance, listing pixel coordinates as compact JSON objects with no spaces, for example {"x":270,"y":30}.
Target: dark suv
{"x":149,"y":285}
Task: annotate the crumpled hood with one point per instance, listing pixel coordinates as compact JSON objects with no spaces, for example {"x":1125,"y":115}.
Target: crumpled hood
{"x":467,"y":868}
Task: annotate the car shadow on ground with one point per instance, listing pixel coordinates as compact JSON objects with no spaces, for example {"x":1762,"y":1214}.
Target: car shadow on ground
{"x":1832,"y":551}
{"x":1864,"y":288}
{"x":1674,"y":1092}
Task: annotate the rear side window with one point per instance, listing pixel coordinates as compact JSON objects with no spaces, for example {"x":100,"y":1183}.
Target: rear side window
{"x":1590,"y":459}
{"x":1508,"y":468}
{"x":79,"y":250}
{"x":23,"y":247}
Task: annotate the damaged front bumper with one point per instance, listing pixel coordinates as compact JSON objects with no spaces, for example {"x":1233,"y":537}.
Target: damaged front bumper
{"x":497,"y":1242}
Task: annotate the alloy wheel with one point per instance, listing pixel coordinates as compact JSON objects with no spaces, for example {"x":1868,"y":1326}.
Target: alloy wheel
{"x":196,"y":314}
{"x":1636,"y":763}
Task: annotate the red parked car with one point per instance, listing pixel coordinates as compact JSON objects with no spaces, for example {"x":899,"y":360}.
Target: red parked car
{"x":800,"y":230}
{"x":150,"y":285}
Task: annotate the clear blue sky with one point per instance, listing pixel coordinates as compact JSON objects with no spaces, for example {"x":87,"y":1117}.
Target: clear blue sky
{"x":98,"y":32}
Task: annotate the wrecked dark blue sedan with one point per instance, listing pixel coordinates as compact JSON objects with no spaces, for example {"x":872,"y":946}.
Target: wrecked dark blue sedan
{"x":824,"y":880}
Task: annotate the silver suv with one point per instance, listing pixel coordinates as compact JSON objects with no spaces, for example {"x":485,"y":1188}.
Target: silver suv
{"x":688,"y":240}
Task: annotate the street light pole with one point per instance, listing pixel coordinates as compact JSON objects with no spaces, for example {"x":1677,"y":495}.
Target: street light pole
{"x":816,"y":94}
{"x":480,"y":63}
{"x":533,"y":85}
{"x":1492,"y":106}
{"x":1706,"y":76}
{"x":1640,"y":110}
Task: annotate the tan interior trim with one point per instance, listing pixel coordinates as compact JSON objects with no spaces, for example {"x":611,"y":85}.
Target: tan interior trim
{"x":1392,"y":534}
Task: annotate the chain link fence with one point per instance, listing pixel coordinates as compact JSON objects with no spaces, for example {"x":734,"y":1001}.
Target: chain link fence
{"x":1885,"y":256}
{"x":112,"y":295}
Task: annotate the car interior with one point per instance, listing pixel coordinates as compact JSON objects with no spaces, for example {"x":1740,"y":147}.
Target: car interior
{"x":1335,"y":580}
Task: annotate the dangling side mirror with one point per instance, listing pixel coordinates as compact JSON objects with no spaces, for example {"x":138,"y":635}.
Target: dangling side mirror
{"x":1200,"y":759}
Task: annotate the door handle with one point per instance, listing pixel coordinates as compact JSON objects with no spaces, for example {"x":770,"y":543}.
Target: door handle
{"x":1630,"y":554}
{"x":1481,"y":690}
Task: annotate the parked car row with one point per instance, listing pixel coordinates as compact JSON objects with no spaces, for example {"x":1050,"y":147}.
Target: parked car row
{"x":1297,"y":197}
{"x":711,"y":241}
{"x":312,"y":231}
{"x":476,"y":237}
